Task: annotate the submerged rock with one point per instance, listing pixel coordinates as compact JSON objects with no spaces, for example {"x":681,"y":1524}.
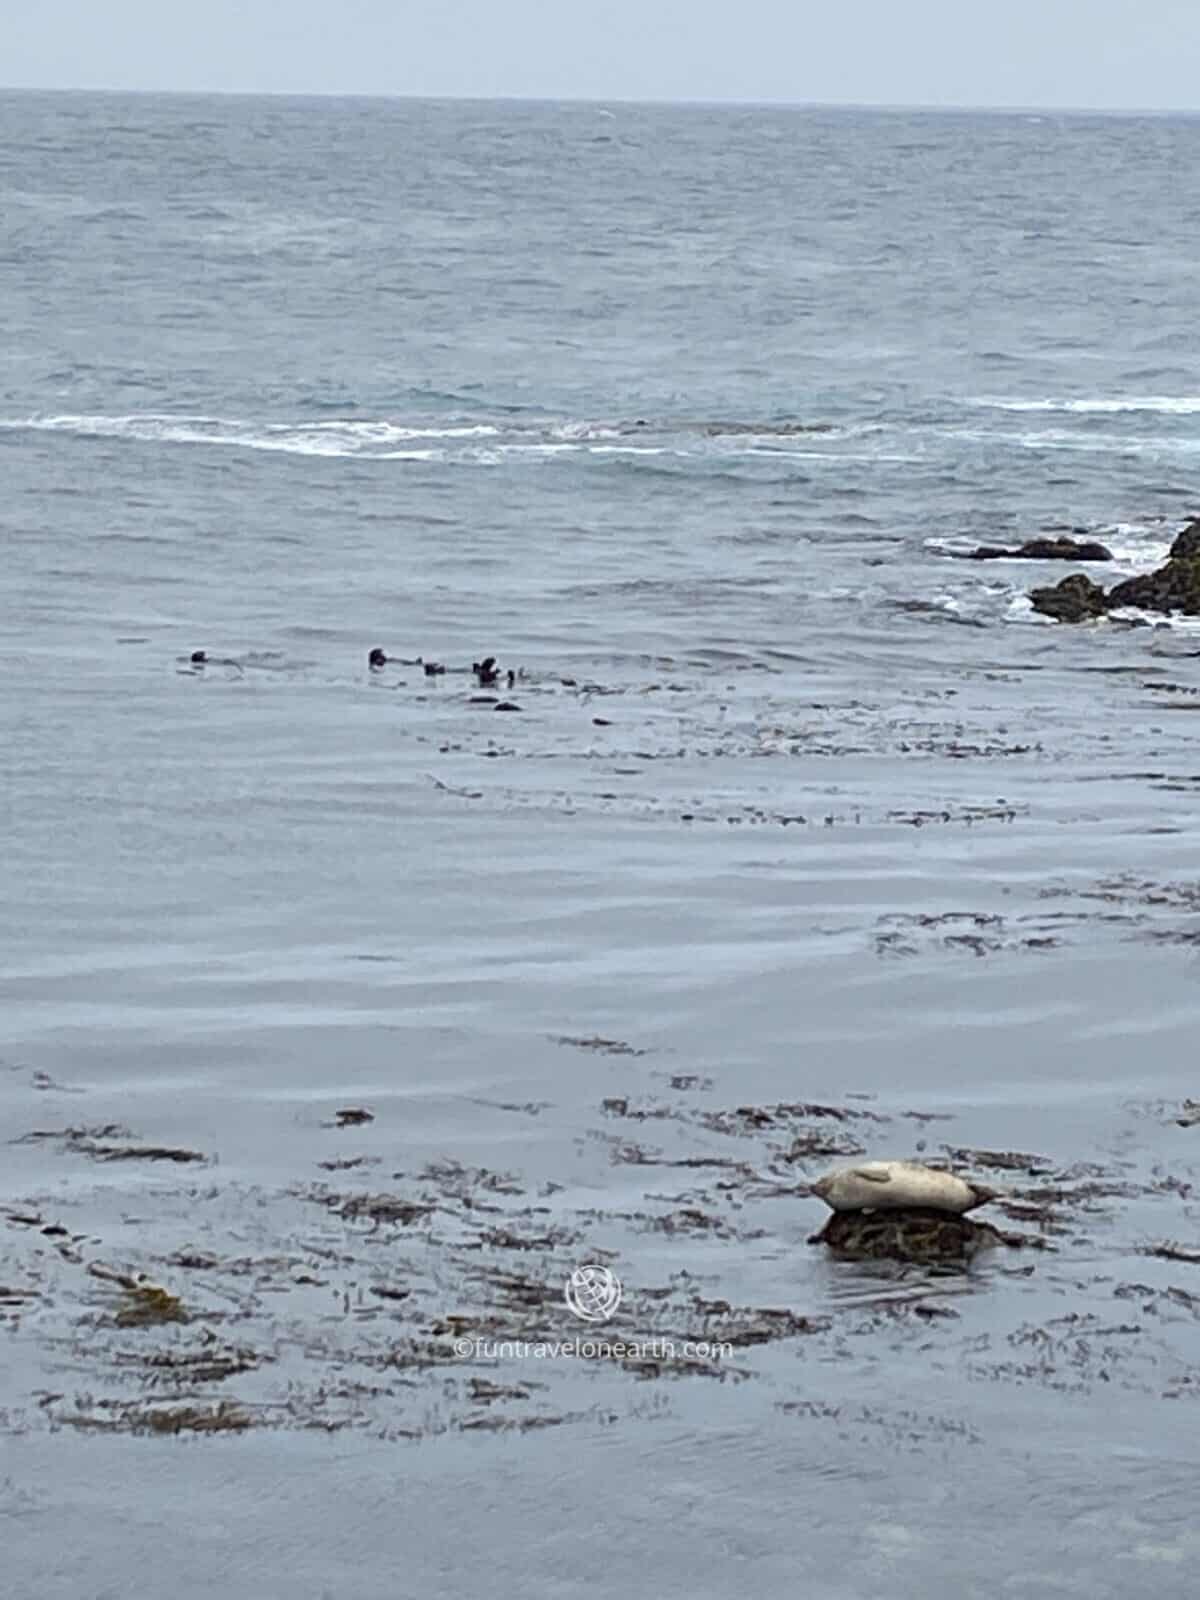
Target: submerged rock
{"x":1075,"y":599}
{"x":1060,"y":549}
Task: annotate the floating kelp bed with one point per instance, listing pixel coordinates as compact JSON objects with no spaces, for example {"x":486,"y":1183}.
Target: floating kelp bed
{"x":399,"y":1302}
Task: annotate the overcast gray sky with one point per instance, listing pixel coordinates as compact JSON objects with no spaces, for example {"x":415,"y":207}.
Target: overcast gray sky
{"x":1095,"y":53}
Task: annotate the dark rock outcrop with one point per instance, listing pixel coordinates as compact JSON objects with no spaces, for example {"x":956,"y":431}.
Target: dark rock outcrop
{"x":1075,"y":599}
{"x":1062,"y":549}
{"x":1187,"y":543}
{"x":1174,"y":587}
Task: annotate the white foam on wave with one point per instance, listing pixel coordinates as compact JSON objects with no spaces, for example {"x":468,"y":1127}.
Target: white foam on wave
{"x":1175,"y":620}
{"x":376,"y":439}
{"x":346,"y":437}
{"x":148,"y":424}
{"x":633,"y":450}
{"x":1081,"y":443}
{"x":382,"y":439}
{"x":1020,"y":609}
{"x":386,"y":432}
{"x":1109,"y":443}
{"x":938,"y":546}
{"x":542,"y":448}
{"x":1102,"y":405}
{"x":782,"y":452}
{"x":1136,"y":546}
{"x":584,"y":430}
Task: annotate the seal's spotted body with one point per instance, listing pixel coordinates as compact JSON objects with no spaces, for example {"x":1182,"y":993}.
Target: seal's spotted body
{"x":899,"y":1185}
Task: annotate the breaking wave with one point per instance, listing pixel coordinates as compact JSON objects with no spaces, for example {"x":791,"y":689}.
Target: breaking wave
{"x":1161,"y":404}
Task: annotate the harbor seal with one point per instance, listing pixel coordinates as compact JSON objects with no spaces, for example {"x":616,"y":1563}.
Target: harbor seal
{"x":899,"y":1186}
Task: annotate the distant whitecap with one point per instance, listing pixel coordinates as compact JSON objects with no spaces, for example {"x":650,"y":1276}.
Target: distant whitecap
{"x":1171,"y":405}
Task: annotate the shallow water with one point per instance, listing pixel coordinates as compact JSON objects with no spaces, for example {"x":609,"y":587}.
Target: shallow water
{"x":805,"y":837}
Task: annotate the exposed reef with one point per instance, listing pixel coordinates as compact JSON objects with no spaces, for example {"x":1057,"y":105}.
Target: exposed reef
{"x":1057,"y":549}
{"x":1075,"y":599}
{"x":1175,"y":586}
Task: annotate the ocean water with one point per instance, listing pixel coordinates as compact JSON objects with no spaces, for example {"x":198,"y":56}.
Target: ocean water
{"x":804,"y":838}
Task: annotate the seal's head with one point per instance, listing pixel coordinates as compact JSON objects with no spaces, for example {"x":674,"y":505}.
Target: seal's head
{"x":199,"y":657}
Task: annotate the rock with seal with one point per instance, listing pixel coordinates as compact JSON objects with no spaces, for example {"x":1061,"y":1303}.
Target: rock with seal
{"x":923,"y":1236}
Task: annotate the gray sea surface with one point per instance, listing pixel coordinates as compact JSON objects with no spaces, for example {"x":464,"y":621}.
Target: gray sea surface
{"x":345,"y":1013}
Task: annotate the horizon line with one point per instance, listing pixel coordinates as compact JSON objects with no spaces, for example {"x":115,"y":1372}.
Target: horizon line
{"x":935,"y":108}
